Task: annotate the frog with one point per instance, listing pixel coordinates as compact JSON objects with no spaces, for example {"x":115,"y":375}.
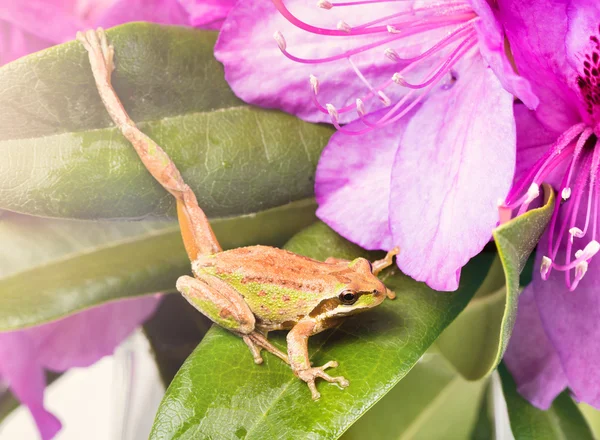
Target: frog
{"x":249,"y":291}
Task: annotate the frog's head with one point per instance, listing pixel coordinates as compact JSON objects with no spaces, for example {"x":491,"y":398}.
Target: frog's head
{"x":358,"y":290}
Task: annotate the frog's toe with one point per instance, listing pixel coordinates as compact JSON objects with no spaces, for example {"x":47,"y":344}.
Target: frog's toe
{"x":254,"y":349}
{"x":309,"y":375}
{"x":313,"y":390}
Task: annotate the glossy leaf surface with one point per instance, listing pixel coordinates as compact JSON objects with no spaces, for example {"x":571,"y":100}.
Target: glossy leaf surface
{"x":476,"y":341}
{"x":57,"y":267}
{"x":62,"y":158}
{"x":220,"y":392}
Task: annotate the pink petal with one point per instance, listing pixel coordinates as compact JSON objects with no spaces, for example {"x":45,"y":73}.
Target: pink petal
{"x":84,"y":338}
{"x":530,"y":356}
{"x":533,"y":140}
{"x":570,"y":320}
{"x":491,"y":47}
{"x":51,"y":20}
{"x":21,"y":369}
{"x":15,"y":43}
{"x":260,"y":74}
{"x":352,"y":183}
{"x":456,"y":162}
{"x":207,"y":14}
{"x":154,"y":11}
{"x":76,"y":341}
{"x":537,"y":31}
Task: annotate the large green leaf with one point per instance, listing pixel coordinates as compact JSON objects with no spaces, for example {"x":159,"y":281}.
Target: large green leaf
{"x":53,"y":268}
{"x":62,"y":158}
{"x":562,"y":421}
{"x":431,"y":402}
{"x":476,"y":341}
{"x":220,"y":393}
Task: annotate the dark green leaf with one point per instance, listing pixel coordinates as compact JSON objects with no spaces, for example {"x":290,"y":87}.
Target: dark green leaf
{"x":431,"y":402}
{"x":57,"y":267}
{"x":62,"y":158}
{"x":220,"y":393}
{"x":562,"y":421}
{"x":476,"y":341}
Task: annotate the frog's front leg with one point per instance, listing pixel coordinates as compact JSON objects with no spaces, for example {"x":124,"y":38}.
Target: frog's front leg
{"x":222,"y":304}
{"x":297,"y":344}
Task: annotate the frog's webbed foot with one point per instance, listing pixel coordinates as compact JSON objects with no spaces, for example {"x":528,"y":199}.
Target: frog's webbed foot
{"x":311,"y":374}
{"x":94,"y":41}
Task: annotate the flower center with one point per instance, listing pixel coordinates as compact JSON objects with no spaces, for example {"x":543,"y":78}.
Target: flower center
{"x":388,"y":36}
{"x":578,"y":150}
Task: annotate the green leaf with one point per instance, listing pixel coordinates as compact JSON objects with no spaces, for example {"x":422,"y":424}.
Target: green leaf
{"x":562,"y":420}
{"x":58,"y":267}
{"x":63,"y":158}
{"x":477,"y":340}
{"x":220,"y":393}
{"x":592,"y":415}
{"x":431,"y":402}
{"x":483,"y":429}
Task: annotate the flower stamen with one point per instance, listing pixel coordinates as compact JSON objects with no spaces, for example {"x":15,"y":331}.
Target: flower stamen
{"x":577,"y":148}
{"x":457,"y":17}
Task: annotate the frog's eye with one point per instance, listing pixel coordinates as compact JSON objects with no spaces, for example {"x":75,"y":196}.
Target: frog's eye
{"x":348,"y":297}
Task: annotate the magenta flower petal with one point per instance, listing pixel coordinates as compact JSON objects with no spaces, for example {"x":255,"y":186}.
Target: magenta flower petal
{"x":491,"y":47}
{"x":353,"y":184}
{"x":259,"y":74}
{"x":82,"y":339}
{"x":537,"y":31}
{"x":24,"y":374}
{"x":15,"y":42}
{"x":533,"y":140}
{"x":449,"y":174}
{"x":51,"y":20}
{"x":207,"y":14}
{"x":530,"y":356}
{"x":155,"y":11}
{"x":570,"y":320}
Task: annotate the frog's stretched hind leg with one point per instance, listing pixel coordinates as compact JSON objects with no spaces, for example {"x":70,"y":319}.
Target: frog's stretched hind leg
{"x":198,"y":236}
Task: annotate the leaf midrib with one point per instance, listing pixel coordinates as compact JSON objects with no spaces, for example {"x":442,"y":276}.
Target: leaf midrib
{"x":141,"y":123}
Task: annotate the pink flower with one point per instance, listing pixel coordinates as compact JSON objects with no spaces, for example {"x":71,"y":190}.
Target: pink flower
{"x":32,"y":25}
{"x":556,"y":46}
{"x":428,"y":149}
{"x":76,"y":341}
{"x":82,"y":339}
